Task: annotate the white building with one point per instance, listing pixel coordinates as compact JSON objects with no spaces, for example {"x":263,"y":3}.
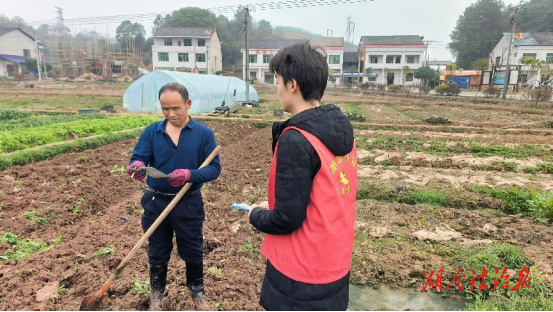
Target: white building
{"x":191,"y":49}
{"x":388,"y":55}
{"x":536,"y":45}
{"x":334,"y":48}
{"x":261,"y":53}
{"x":16,"y":44}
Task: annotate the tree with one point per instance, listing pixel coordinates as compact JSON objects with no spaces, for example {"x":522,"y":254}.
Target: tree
{"x":427,"y":74}
{"x":537,"y":18}
{"x":406,"y":70}
{"x":478,"y":30}
{"x":369,"y":71}
{"x":130,"y":34}
{"x":481,"y":65}
{"x":263,"y":31}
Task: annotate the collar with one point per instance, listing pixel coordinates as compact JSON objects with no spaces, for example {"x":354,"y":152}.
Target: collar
{"x":161,"y":126}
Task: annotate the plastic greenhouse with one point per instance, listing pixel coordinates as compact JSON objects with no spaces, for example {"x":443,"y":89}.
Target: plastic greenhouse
{"x":206,"y":91}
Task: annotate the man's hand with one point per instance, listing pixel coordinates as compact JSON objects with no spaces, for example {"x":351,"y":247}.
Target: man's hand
{"x":180,"y":177}
{"x":263,"y":205}
{"x":138,"y":176}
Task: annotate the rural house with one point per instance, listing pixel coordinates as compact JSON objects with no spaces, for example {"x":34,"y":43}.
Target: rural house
{"x":16,"y":44}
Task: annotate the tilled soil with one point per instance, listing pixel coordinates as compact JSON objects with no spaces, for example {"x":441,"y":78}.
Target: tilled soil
{"x":96,"y":206}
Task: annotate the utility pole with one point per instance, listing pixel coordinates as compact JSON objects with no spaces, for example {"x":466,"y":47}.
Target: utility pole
{"x":426,"y":58}
{"x":247,"y":75}
{"x":508,"y":71}
{"x":331,"y":33}
{"x":38,"y":48}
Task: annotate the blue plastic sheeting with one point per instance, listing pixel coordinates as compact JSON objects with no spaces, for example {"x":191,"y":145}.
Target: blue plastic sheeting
{"x":13,"y":58}
{"x":463,"y":82}
{"x":206,"y":91}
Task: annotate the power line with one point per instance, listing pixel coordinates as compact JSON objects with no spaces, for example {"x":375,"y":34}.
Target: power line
{"x":289,"y":4}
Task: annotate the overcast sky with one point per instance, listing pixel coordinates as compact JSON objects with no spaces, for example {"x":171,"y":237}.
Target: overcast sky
{"x":433,"y":19}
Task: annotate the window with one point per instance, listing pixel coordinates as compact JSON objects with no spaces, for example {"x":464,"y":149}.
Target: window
{"x":183,"y":57}
{"x":409,"y":77}
{"x":200,"y":58}
{"x":168,"y":41}
{"x":201,"y":42}
{"x":549,"y":58}
{"x":411,"y":59}
{"x":188,"y":42}
{"x":374,"y":59}
{"x":498,"y":61}
{"x":253,"y":76}
{"x":27,"y":53}
{"x":393,"y":59}
{"x":253,"y":58}
{"x":334,"y":59}
{"x":202,"y":72}
{"x":534,"y":55}
{"x":163,"y":57}
{"x":116,"y":69}
{"x":267,"y":58}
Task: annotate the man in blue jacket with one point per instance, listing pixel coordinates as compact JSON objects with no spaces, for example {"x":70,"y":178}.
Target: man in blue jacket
{"x":178,"y":146}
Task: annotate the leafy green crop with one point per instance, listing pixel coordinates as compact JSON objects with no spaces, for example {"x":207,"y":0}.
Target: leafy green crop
{"x":19,"y":139}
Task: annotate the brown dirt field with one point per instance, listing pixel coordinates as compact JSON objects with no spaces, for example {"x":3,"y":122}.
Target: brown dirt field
{"x":104,"y":219}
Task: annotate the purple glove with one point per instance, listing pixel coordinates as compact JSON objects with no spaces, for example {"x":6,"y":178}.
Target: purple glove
{"x":180,"y":177}
{"x":138,"y":175}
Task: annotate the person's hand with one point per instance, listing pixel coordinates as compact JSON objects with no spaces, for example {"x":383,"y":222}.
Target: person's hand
{"x":179,"y":177}
{"x":262,"y":205}
{"x":138,"y":175}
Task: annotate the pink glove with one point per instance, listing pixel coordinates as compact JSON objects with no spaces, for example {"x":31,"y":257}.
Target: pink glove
{"x":138,"y":176}
{"x":180,"y":177}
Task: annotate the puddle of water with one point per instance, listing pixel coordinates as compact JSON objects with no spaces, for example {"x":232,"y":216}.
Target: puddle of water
{"x":370,"y":299}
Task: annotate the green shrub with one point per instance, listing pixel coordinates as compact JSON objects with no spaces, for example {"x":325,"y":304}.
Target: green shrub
{"x":6,"y":114}
{"x":438,"y":121}
{"x":530,"y":170}
{"x":492,"y":92}
{"x":442,"y":89}
{"x":546,"y":168}
{"x":542,"y":205}
{"x":394,"y":88}
{"x":355,"y":116}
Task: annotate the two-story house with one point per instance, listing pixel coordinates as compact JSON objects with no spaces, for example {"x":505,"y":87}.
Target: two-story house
{"x":260,"y":54}
{"x":388,"y":55}
{"x":192,"y":49}
{"x":536,"y":45}
{"x":262,"y":51}
{"x":16,"y":44}
{"x":334,"y":48}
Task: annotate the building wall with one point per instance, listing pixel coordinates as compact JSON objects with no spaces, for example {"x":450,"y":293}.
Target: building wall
{"x":263,"y":73}
{"x":382,"y":53}
{"x":499,"y":55}
{"x":14,"y":42}
{"x":214,"y":54}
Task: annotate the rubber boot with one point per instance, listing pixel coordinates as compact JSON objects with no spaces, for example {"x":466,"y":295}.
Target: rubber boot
{"x":195,"y":282}
{"x":158,"y":280}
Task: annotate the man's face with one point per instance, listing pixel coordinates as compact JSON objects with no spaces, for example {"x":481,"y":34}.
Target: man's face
{"x":175,"y":108}
{"x":285,"y":94}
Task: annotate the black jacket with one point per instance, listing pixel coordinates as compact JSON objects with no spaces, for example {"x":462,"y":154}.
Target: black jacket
{"x":297,"y":165}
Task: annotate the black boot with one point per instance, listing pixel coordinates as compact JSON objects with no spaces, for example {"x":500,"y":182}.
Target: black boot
{"x":158,"y":280}
{"x":195,"y":282}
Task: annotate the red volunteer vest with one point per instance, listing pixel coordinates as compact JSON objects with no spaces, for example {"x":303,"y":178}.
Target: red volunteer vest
{"x":320,"y":251}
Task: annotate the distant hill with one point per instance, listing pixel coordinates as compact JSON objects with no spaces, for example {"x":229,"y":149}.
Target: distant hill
{"x":288,"y":32}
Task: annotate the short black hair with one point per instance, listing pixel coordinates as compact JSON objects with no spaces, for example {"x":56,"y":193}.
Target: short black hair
{"x":176,"y":87}
{"x":305,"y":65}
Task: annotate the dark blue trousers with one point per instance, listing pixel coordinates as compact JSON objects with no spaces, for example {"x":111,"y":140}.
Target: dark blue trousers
{"x":186,"y":221}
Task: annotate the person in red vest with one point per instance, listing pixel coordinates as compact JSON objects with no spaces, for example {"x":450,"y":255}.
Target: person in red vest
{"x":310,"y":216}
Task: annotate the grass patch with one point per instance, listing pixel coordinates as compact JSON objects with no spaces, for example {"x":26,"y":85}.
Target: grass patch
{"x":104,"y":252}
{"x":141,"y":288}
{"x":546,"y":168}
{"x":528,"y":202}
{"x":249,"y":249}
{"x":428,"y":197}
{"x":35,"y":218}
{"x":215,"y":271}
{"x":530,"y":170}
{"x":21,"y":247}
